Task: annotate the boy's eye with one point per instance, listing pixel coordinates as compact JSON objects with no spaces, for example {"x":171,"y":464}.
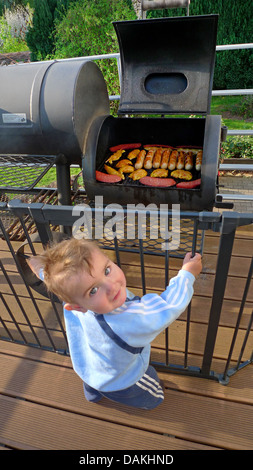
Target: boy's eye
{"x":107,"y":270}
{"x":93,"y":291}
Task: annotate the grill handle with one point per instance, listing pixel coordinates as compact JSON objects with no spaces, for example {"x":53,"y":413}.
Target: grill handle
{"x":224,"y":205}
{"x":162,"y":4}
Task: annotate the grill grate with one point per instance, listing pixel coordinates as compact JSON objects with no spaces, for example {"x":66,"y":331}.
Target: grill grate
{"x":23,"y":172}
{"x":131,"y":183}
{"x":188,"y":233}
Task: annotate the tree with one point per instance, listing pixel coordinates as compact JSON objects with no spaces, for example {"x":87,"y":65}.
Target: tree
{"x":40,"y":37}
{"x":87,"y":27}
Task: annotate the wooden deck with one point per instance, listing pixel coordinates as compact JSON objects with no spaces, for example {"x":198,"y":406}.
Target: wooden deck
{"x":42,"y":402}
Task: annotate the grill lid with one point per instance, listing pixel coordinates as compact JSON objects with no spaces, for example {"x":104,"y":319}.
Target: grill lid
{"x":167,"y":64}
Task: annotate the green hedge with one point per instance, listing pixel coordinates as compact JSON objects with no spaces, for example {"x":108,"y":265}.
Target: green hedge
{"x":233,"y":68}
{"x":237,"y":147}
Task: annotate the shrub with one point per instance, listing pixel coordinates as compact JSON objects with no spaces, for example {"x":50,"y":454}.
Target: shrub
{"x":19,"y":19}
{"x":237,"y":147}
{"x":8,"y":43}
{"x":246,"y":107}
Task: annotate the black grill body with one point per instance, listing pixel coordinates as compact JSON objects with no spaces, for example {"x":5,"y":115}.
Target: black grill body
{"x":167,"y":69}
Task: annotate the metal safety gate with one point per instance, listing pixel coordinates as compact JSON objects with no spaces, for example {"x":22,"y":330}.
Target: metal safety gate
{"x":29,"y":316}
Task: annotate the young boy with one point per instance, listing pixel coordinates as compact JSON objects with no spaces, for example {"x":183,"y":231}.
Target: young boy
{"x":109,"y":330}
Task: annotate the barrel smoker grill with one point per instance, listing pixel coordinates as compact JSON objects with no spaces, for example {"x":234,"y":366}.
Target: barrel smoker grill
{"x":167,"y":70}
{"x":46,"y":110}
{"x":60,"y":110}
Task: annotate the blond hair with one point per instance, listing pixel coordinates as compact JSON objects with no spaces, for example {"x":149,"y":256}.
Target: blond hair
{"x":63,"y":260}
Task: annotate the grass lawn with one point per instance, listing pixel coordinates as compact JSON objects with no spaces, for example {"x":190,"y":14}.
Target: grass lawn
{"x":50,"y":177}
{"x":227,"y":107}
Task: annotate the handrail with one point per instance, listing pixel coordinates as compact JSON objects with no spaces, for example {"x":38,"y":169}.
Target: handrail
{"x":222,"y":47}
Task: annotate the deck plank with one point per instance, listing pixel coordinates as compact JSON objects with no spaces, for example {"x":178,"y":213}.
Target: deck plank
{"x":42,"y":405}
{"x":54,"y":400}
{"x":34,"y":427}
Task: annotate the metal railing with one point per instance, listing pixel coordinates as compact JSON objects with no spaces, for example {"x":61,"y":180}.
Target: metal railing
{"x":214,"y":92}
{"x":35,"y":318}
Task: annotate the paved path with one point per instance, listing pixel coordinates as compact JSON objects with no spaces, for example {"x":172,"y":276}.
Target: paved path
{"x":242,"y":185}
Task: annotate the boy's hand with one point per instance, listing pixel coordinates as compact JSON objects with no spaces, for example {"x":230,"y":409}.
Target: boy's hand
{"x":192,"y":264}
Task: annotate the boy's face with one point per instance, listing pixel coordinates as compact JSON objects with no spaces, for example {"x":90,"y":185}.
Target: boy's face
{"x":101,"y":291}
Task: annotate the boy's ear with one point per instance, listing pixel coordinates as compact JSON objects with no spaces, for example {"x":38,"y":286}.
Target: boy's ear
{"x":74,"y":307}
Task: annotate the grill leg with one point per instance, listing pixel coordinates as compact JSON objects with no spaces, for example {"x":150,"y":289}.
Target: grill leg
{"x":63,"y":185}
{"x":63,"y":181}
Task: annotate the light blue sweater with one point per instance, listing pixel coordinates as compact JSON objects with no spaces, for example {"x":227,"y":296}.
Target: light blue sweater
{"x":99,"y":360}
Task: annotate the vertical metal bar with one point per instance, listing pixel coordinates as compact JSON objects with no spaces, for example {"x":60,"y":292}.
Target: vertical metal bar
{"x":223,"y":261}
{"x":143,"y":280}
{"x":13,"y":319}
{"x":119,"y":72}
{"x":245,"y":340}
{"x":27,"y":287}
{"x":245,"y":293}
{"x":44,"y":231}
{"x":251,"y":357}
{"x":19,"y":304}
{"x":188,"y":318}
{"x":63,"y":180}
{"x":188,"y":8}
{"x":4,"y":325}
{"x":27,"y":236}
{"x":115,"y":241}
{"x":50,"y":297}
{"x":166,"y":284}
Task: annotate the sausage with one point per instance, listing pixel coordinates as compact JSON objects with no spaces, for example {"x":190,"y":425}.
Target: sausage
{"x":157,"y":182}
{"x":140,"y":160}
{"x":149,"y":159}
{"x":165,"y":159}
{"x":157,"y":158}
{"x":173,"y":160}
{"x":189,"y":184}
{"x":188,"y":161}
{"x":156,"y":145}
{"x":105,"y":178}
{"x":125,"y":147}
{"x":199,"y":160}
{"x":180,"y":161}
